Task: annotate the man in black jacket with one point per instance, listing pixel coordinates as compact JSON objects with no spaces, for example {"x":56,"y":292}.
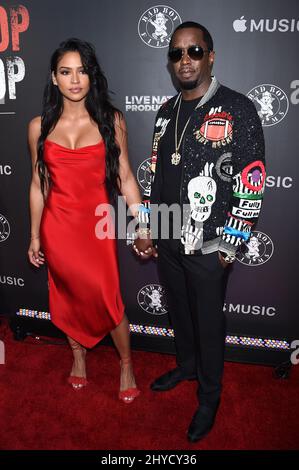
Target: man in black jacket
{"x":208,"y":163}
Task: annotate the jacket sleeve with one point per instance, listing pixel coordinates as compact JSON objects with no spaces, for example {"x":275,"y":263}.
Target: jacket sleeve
{"x":248,"y":178}
{"x":144,"y":208}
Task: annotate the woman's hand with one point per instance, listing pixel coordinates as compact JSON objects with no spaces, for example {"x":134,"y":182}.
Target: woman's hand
{"x":36,"y":257}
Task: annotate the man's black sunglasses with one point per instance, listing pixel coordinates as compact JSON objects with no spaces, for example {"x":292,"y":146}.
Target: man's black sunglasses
{"x":194,"y":52}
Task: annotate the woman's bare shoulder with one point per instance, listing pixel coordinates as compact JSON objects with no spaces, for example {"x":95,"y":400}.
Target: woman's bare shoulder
{"x":34,"y":128}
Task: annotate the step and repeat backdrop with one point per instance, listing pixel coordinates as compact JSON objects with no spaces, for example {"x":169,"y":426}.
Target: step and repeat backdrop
{"x":256,"y":46}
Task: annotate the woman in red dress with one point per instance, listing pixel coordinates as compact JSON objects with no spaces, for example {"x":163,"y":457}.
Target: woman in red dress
{"x":80,"y":161}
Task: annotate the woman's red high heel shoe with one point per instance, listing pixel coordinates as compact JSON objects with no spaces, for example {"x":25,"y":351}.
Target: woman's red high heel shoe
{"x":128,"y":395}
{"x":77,"y":382}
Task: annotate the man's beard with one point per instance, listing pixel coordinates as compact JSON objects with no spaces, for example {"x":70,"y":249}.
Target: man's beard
{"x":189,"y":85}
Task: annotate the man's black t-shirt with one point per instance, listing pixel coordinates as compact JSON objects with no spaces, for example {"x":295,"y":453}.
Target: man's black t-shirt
{"x":171,"y":174}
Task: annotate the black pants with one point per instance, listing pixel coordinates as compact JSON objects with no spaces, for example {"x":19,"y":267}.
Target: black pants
{"x":195,"y":287}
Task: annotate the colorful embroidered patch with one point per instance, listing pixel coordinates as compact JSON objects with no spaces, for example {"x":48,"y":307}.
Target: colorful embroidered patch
{"x":237,"y":233}
{"x":249,"y":196}
{"x":224,"y":167}
{"x":241,"y":221}
{"x":153,"y":162}
{"x":217,"y":128}
{"x":253,"y":176}
{"x":245,"y":213}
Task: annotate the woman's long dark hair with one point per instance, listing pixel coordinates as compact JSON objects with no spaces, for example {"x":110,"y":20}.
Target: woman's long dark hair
{"x":97,"y":103}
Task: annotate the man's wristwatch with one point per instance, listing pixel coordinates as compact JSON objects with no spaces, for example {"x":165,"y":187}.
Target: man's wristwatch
{"x":227,"y":258}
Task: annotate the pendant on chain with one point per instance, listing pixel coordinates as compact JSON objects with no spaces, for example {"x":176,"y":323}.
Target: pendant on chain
{"x":175,"y":158}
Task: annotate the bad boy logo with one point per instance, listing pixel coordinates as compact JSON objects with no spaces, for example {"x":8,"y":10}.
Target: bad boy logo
{"x":157,"y":24}
{"x":152,"y":299}
{"x":217,"y":128}
{"x":4,"y":228}
{"x":258,"y":250}
{"x":144,"y":174}
{"x":271,"y":102}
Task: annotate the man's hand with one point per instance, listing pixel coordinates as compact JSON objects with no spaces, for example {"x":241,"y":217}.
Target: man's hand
{"x":224,"y":263}
{"x":144,"y":247}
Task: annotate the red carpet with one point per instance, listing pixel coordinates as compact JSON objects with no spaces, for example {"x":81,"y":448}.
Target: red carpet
{"x":39,"y":410}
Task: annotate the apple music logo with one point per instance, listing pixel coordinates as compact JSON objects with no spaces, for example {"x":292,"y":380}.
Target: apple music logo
{"x":267,"y":25}
{"x":240,"y":25}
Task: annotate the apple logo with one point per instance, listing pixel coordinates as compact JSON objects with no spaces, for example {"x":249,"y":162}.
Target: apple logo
{"x":239,"y":25}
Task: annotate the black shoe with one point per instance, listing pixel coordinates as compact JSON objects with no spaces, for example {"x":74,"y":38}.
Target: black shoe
{"x":170,"y":380}
{"x":202,"y":422}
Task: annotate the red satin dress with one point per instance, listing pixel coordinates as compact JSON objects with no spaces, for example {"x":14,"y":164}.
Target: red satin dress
{"x":84,"y":292}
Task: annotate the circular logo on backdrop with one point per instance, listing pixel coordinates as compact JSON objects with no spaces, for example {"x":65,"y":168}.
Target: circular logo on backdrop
{"x":156,"y":25}
{"x":4,"y":228}
{"x":258,"y":250}
{"x":144,"y":174}
{"x":152,"y":299}
{"x":271,"y":102}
